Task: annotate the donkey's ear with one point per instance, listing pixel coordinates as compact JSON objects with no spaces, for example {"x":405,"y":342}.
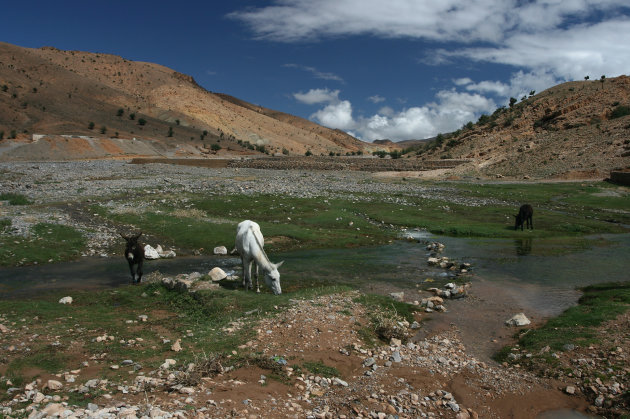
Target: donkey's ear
{"x":279,"y":264}
{"x":123,"y":236}
{"x":137,"y":236}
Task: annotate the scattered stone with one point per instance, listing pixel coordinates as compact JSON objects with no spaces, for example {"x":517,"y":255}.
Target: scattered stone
{"x":398,"y":296}
{"x":54,"y":385}
{"x":65,"y":300}
{"x":217,"y":274}
{"x":220,"y":250}
{"x":150,"y":253}
{"x":177,"y":347}
{"x":518,"y":320}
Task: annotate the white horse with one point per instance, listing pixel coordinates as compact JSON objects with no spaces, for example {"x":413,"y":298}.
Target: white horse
{"x":249,"y":243}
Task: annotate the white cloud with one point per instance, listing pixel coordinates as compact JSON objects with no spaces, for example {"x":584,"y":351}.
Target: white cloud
{"x":569,"y":54}
{"x":316,"y":73}
{"x":451,"y":110}
{"x":314,"y":96}
{"x":463,"y":81}
{"x":336,"y":115}
{"x":376,"y":99}
{"x":569,"y":38}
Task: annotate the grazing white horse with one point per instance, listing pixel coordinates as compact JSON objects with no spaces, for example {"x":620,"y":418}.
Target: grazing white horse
{"x":249,"y":243}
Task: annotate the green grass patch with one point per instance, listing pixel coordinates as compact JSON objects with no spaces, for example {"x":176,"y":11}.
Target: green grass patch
{"x":47,"y":243}
{"x":321,"y":369}
{"x":200,"y":320}
{"x":386,"y":316}
{"x":15,"y":199}
{"x":577,"y":325}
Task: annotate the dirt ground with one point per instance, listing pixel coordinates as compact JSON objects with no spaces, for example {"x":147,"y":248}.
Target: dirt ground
{"x":433,"y":374}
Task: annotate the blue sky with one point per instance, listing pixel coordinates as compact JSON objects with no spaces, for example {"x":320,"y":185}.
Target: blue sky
{"x":397,"y":69}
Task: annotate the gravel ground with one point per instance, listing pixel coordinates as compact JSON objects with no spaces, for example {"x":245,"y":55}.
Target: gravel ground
{"x":56,"y":185}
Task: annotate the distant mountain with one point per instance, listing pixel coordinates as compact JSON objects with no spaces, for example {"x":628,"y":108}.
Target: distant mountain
{"x":572,"y":130}
{"x":73,"y":93}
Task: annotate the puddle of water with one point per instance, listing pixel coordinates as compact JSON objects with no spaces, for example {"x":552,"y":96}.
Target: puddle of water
{"x":97,"y":273}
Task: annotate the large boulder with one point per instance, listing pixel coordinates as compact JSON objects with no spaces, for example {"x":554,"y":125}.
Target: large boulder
{"x":518,"y":320}
{"x":150,"y":253}
{"x":217,"y":274}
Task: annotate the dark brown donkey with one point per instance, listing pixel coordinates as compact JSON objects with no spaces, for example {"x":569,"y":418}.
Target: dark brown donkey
{"x":525,"y":214}
{"x":134,"y":253}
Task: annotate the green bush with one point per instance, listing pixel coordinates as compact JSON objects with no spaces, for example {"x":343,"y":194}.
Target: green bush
{"x":620,"y":111}
{"x":14,"y":199}
{"x":142,"y":121}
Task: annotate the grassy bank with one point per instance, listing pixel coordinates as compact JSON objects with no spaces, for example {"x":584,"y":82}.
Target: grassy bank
{"x":106,"y":328}
{"x":577,"y":326}
{"x":198,"y":223}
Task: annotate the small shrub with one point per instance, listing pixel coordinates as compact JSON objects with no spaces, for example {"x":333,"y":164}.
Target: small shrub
{"x":132,"y":116}
{"x":15,"y":199}
{"x":170,"y":131}
{"x":142,"y":121}
{"x":12,"y":135}
{"x":91,"y":125}
{"x":215,"y":147}
{"x":103,"y":129}
{"x":308,"y":153}
{"x":120,"y":112}
{"x":620,"y":111}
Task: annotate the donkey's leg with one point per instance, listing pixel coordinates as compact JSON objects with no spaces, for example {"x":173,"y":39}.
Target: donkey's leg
{"x":139,"y":270}
{"x":131,"y":270}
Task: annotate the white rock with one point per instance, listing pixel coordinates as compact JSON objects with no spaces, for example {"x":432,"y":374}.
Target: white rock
{"x":53,"y":410}
{"x":217,"y":274}
{"x":177,"y":346}
{"x":66,"y":300}
{"x":54,"y":385}
{"x":150,"y":253}
{"x":398,"y":296}
{"x":220,"y":250}
{"x":518,"y":320}
{"x":3,"y":329}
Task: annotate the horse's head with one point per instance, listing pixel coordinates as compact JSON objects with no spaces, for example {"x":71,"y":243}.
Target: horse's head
{"x":272,"y":278}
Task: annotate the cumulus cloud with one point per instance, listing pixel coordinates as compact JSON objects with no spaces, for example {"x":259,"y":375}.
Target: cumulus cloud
{"x":336,"y":115}
{"x":450,"y":111}
{"x":314,"y":96}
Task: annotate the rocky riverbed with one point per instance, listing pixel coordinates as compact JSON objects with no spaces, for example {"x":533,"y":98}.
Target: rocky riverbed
{"x":62,"y":183}
{"x":431,"y":374}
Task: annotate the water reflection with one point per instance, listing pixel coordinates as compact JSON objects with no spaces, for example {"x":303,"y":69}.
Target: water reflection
{"x":523,"y":246}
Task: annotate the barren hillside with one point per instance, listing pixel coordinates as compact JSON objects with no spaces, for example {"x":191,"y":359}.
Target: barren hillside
{"x":576,"y":129}
{"x":49,"y":91}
